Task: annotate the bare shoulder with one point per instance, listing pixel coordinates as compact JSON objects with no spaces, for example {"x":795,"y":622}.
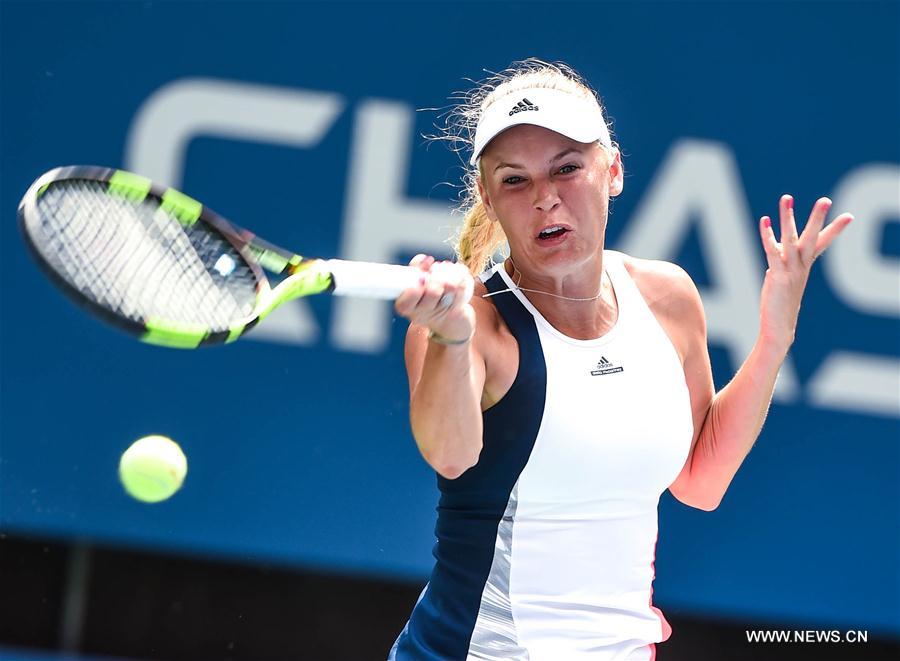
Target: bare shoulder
{"x":668,"y":289}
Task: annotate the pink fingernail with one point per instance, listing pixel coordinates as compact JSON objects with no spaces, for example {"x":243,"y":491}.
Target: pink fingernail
{"x":789,"y":202}
{"x":767,"y":221}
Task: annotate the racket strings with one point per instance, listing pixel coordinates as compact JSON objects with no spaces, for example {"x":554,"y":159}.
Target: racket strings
{"x":140,"y":262}
{"x":95,"y":237}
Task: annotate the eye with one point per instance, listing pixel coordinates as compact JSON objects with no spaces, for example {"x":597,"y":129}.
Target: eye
{"x":511,"y":181}
{"x":569,"y":168}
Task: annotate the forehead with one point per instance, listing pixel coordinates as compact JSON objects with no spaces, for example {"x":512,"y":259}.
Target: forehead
{"x":528,"y":141}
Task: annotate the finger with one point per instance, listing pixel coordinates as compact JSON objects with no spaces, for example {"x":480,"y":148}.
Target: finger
{"x":467,"y":289}
{"x":422,"y":261}
{"x":465,"y":283}
{"x":809,"y":238}
{"x":428,"y":304}
{"x":443,"y":270}
{"x":458,"y":292}
{"x":788,"y":225}
{"x":770,"y":244}
{"x":790,"y":254}
{"x":831,"y":232}
{"x":446,"y":300}
{"x":407,"y":301}
{"x":448,"y":273}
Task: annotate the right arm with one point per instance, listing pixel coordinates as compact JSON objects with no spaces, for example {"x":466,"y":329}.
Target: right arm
{"x":445,"y":381}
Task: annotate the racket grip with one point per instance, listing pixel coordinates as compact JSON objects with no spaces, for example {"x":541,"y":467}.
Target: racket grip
{"x":371,"y":280}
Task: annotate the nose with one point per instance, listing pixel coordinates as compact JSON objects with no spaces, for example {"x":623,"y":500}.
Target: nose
{"x":546,"y":197}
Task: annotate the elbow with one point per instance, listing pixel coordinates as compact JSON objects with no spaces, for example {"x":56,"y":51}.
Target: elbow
{"x":449,"y":466}
{"x":701,"y":501}
{"x":451,"y":471}
{"x":705,"y":503}
{"x":449,"y":452}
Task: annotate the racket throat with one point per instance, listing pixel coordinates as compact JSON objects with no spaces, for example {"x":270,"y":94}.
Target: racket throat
{"x":312,"y":277}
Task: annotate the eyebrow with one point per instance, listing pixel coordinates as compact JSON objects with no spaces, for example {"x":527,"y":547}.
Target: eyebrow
{"x":564,"y":152}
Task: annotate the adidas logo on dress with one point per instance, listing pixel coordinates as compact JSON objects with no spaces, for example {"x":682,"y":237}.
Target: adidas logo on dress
{"x":606,"y":367}
{"x":522,"y":106}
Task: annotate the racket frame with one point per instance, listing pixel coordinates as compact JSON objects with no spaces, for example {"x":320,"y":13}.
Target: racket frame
{"x":255,"y":251}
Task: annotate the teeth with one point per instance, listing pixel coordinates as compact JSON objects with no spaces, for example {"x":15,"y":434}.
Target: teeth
{"x":549,"y":230}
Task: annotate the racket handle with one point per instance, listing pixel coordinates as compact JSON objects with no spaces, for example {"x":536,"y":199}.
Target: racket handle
{"x":371,"y":280}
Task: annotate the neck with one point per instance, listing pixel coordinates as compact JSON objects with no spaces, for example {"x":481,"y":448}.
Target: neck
{"x":581,"y":304}
{"x":578,"y":282}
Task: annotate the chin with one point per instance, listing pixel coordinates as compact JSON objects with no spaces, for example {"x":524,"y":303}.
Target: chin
{"x":561,"y":260}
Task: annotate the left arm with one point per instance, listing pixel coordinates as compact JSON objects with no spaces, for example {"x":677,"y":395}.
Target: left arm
{"x":727,"y":423}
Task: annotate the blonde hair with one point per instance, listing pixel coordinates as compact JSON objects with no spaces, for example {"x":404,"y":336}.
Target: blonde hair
{"x":479,"y":237}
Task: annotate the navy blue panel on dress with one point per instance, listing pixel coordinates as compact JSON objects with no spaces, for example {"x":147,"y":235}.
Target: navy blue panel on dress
{"x":472,"y":505}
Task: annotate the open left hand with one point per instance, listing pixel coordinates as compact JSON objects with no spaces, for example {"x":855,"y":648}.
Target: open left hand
{"x":789,"y":265}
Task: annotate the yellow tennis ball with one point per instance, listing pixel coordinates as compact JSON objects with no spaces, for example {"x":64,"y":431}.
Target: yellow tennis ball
{"x":153,"y":468}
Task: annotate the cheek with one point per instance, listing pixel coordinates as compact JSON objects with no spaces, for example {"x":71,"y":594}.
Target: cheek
{"x":495,"y":194}
{"x":509,"y":204}
{"x":597,"y":178}
{"x":590,"y":202}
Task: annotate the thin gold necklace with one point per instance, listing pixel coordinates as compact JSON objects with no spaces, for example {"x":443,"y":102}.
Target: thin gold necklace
{"x":538,"y":291}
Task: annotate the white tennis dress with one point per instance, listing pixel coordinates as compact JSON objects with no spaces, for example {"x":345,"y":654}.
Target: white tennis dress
{"x":545,"y":548}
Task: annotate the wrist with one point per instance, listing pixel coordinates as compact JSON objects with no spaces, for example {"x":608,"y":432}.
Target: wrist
{"x":448,"y":341}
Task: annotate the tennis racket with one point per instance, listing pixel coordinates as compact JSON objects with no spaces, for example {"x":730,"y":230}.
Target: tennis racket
{"x":160,"y":265}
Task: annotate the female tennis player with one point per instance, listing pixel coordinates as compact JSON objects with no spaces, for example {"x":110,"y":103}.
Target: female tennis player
{"x":575,"y":387}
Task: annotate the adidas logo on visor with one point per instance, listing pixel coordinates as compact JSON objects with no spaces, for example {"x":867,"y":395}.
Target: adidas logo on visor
{"x":522,"y":106}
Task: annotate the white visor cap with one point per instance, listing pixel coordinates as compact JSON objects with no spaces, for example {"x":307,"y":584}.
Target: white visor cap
{"x":572,"y":115}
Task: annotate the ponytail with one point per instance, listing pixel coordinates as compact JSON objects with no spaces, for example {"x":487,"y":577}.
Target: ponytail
{"x":478,"y":239}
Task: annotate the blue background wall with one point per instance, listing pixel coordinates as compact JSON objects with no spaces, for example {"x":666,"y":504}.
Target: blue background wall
{"x":719,"y":109}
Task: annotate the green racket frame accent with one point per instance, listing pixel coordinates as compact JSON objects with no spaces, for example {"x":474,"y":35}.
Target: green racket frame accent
{"x":235,"y":333}
{"x":129,"y":185}
{"x":186,"y":336}
{"x":178,"y":336}
{"x":186,"y":209}
{"x":311,"y":278}
{"x":272,"y":258}
{"x":269,"y":260}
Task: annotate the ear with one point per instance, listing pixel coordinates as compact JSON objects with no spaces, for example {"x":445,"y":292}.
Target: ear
{"x":486,"y":200}
{"x":616,"y":172}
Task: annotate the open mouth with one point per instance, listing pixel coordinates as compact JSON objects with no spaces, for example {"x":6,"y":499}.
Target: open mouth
{"x":552,"y":232}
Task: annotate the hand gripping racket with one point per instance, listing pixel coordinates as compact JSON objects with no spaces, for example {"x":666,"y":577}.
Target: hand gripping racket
{"x":160,"y":265}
